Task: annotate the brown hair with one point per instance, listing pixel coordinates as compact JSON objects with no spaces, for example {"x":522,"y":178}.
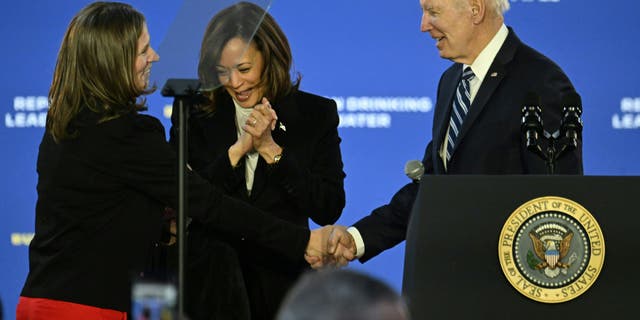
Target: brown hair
{"x":95,"y":67}
{"x":255,"y":26}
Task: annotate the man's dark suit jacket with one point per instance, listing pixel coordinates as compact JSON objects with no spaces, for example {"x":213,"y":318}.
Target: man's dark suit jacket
{"x":101,"y":197}
{"x":490,"y":140}
{"x":306,"y":183}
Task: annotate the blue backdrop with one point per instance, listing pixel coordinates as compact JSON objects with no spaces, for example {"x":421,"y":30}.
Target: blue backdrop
{"x":368,"y":55}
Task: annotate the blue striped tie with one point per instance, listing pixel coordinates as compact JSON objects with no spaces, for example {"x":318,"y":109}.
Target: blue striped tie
{"x":461,"y":105}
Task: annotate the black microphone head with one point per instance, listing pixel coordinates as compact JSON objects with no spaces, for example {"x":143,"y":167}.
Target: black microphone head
{"x":572,"y":100}
{"x":571,"y":123}
{"x":531,"y":125}
{"x":414,"y":169}
{"x":531,"y":111}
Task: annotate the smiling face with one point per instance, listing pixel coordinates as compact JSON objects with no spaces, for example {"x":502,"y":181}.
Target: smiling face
{"x":240,"y":72}
{"x":145,"y":56}
{"x":451,"y":24}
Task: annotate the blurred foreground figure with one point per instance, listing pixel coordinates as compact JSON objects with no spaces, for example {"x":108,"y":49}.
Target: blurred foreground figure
{"x":342,"y":294}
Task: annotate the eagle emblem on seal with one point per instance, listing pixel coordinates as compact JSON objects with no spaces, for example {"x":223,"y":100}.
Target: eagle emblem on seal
{"x":551,"y":244}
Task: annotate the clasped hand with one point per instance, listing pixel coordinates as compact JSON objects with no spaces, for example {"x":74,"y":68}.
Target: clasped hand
{"x":256,"y":135}
{"x":257,"y":129}
{"x":330,"y":245}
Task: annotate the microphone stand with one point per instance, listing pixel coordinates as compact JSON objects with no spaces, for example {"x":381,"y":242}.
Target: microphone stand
{"x":558,"y":143}
{"x":552,"y":153}
{"x":183,"y":90}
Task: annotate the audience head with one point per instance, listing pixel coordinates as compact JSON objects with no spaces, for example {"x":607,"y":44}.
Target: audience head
{"x":342,"y":294}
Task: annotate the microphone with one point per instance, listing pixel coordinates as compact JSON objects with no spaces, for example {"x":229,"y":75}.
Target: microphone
{"x":414,"y":170}
{"x":571,"y":123}
{"x":531,"y":125}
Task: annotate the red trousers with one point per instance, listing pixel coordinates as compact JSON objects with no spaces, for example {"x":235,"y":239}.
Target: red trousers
{"x":41,"y":309}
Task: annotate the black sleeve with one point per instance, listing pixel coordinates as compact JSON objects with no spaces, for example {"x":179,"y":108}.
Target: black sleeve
{"x":319,"y":190}
{"x":149,"y":166}
{"x":387,"y":225}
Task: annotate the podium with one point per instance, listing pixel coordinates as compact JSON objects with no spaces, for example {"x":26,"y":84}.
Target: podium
{"x":452,"y":266}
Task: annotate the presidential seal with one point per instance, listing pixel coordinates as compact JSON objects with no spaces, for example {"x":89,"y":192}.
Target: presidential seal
{"x":551,"y":249}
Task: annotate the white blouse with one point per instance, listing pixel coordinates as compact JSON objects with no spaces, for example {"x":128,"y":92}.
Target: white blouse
{"x":251,"y":159}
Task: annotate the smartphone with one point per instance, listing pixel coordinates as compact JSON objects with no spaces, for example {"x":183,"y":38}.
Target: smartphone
{"x":153,"y":300}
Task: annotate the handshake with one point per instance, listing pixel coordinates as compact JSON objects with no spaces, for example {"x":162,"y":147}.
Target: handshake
{"x":331,"y":245}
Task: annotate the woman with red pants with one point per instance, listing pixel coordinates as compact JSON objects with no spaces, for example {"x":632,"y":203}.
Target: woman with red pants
{"x":106,"y":172}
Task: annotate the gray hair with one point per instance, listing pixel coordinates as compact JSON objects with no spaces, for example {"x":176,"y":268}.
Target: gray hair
{"x":501,"y":6}
{"x":342,"y":294}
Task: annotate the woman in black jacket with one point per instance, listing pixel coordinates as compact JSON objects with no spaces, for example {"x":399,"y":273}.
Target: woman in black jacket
{"x":262,"y":141}
{"x":105,"y":174}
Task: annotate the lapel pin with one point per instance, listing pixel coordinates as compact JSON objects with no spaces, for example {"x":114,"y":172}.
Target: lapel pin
{"x":494,"y":74}
{"x":282,"y":127}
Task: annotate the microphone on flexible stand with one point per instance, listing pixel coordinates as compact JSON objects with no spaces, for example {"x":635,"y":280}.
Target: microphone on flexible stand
{"x":566,"y":138}
{"x":571,"y":123}
{"x":531,"y":125}
{"x":414,"y":170}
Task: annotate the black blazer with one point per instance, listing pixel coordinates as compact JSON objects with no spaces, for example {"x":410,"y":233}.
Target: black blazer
{"x":490,"y":140}
{"x":306,"y":183}
{"x":101,"y":197}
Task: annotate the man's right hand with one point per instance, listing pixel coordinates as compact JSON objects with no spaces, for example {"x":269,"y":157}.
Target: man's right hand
{"x":341,"y":245}
{"x":330,"y":246}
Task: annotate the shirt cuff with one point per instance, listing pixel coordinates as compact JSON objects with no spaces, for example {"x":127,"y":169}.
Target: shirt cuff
{"x":357,"y":238}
